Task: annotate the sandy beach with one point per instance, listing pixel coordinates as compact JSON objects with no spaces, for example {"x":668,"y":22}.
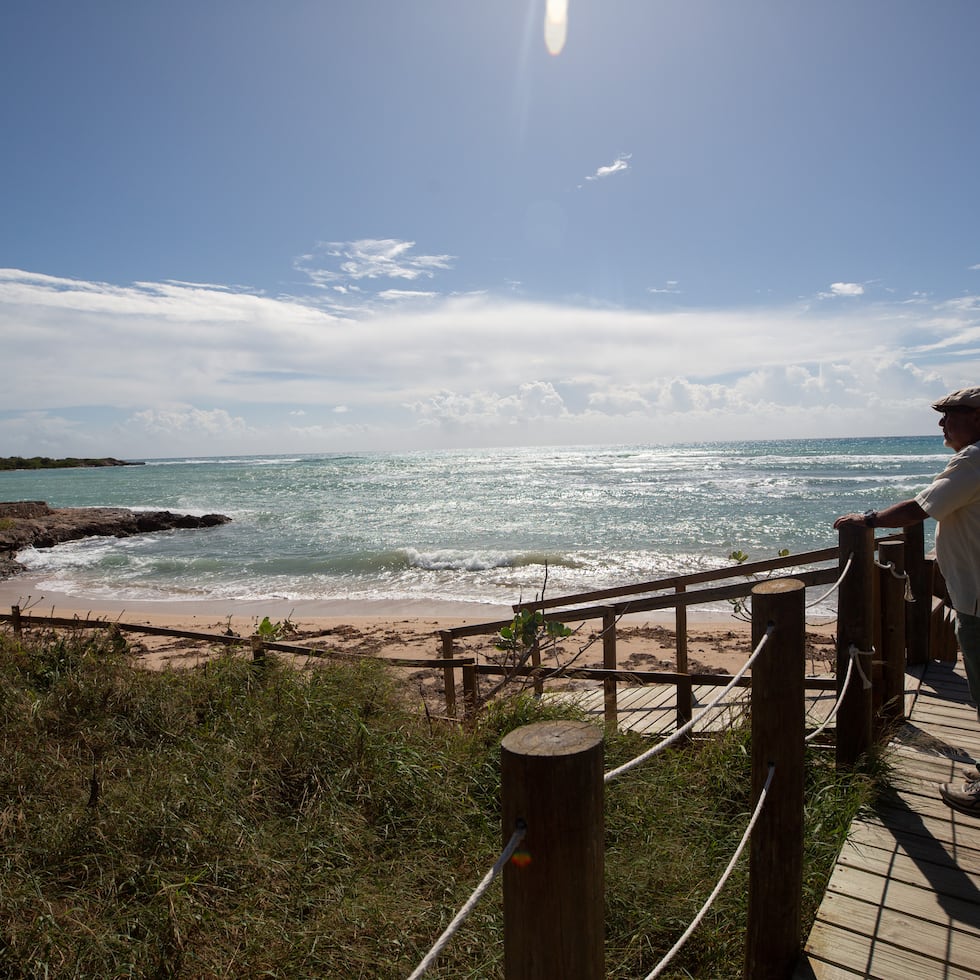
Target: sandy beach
{"x":408,"y":629}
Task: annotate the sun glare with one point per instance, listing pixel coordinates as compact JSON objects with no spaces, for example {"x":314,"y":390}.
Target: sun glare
{"x":555,"y":25}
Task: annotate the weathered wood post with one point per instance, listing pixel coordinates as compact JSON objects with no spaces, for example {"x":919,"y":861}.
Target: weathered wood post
{"x":855,"y":631}
{"x":471,"y":693}
{"x":685,"y":691}
{"x":15,"y":620}
{"x":610,"y":692}
{"x":890,"y":701}
{"x":685,"y":702}
{"x":918,"y":615}
{"x":942,"y":633}
{"x":772,"y":943}
{"x":258,"y":649}
{"x":448,"y":674}
{"x":536,"y":662}
{"x":554,"y":907}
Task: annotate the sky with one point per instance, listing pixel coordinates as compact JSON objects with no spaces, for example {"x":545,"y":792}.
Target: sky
{"x":315,"y":226}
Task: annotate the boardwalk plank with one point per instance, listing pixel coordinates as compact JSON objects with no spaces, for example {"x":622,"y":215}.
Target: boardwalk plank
{"x":903,"y":930}
{"x":651,"y":710}
{"x":920,"y":848}
{"x":814,"y":969}
{"x":934,"y":907}
{"x":945,"y":876}
{"x":871,"y":957}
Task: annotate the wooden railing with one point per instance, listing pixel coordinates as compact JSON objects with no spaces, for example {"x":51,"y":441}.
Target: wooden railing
{"x":927,"y":626}
{"x":552,"y":777}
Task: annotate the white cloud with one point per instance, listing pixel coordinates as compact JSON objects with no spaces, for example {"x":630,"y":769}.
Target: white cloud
{"x":618,"y":165}
{"x":845,"y":289}
{"x":165,"y":422}
{"x":394,"y":295}
{"x":531,"y":402}
{"x":202,"y":368}
{"x":368,"y":258}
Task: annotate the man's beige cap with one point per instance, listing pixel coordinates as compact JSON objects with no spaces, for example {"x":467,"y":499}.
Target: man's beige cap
{"x":964,"y":398}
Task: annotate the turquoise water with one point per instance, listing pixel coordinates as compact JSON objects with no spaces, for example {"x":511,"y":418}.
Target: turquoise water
{"x":466,"y":526}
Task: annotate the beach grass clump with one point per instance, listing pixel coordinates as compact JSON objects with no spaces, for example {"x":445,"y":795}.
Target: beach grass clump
{"x":252,"y":819}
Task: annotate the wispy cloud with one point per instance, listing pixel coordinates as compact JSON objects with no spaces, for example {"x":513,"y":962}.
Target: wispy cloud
{"x":620,"y":164}
{"x":844,"y":289}
{"x":368,"y":258}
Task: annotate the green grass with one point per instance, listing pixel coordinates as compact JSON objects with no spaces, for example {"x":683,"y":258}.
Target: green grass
{"x":232,"y":820}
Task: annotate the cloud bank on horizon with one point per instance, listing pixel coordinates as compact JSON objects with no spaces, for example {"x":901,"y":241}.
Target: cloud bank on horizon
{"x":326,"y":231}
{"x":171,"y":368}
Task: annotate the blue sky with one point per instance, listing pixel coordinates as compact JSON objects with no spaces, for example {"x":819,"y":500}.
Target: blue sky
{"x":234,"y":226}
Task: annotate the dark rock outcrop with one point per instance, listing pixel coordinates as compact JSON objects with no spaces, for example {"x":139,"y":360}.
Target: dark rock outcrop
{"x":69,"y":462}
{"x":32,"y":523}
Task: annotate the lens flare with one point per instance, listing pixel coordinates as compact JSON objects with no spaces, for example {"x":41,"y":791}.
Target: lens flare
{"x":521,"y":859}
{"x":555,"y":25}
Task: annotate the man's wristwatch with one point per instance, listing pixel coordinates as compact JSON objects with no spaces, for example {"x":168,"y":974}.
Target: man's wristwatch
{"x":870,"y":518}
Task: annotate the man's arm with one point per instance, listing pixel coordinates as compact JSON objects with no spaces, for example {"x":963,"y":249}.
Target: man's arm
{"x":902,"y":514}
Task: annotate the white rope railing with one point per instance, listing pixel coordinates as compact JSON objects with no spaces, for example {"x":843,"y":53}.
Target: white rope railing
{"x":453,"y":927}
{"x":685,"y":728}
{"x":853,"y":654}
{"x":836,"y":585}
{"x":902,"y":576}
{"x":726,"y":874}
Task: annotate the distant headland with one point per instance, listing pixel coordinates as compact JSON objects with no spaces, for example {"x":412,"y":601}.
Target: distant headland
{"x":69,"y":462}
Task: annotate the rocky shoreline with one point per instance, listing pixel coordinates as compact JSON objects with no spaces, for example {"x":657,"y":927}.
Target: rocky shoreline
{"x":68,"y":462}
{"x":32,"y":523}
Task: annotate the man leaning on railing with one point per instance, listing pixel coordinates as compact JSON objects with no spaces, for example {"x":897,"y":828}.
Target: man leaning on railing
{"x":952,"y":499}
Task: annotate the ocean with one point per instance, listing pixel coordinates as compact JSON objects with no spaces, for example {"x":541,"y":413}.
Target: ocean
{"x":482,"y":526}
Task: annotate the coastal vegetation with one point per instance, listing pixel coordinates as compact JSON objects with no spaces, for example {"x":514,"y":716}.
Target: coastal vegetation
{"x":252,"y":819}
{"x":67,"y":462}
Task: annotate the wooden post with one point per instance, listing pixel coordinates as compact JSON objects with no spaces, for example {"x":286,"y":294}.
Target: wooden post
{"x":892,"y":582}
{"x":536,"y":662}
{"x":772,"y":943}
{"x":875,"y":675}
{"x":855,"y":630}
{"x":950,"y":643}
{"x":610,"y":694}
{"x":15,"y":620}
{"x":470,"y":692}
{"x":258,"y":649}
{"x":919,"y":611}
{"x":448,"y":674}
{"x":680,"y":629}
{"x":685,"y":694}
{"x":685,"y":702}
{"x":554,"y":906}
{"x":942,"y":631}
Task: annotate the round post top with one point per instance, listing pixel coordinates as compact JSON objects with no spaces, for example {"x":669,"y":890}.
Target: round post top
{"x":775,"y":586}
{"x":553,"y":738}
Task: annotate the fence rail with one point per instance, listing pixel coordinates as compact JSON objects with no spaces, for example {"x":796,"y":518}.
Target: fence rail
{"x":925,"y":626}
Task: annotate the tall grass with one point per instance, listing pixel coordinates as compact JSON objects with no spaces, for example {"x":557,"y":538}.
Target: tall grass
{"x":241,"y":820}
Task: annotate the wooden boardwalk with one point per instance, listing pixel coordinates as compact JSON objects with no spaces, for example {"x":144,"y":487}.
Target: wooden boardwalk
{"x":904,"y":898}
{"x":652,"y":709}
{"x":903,"y":901}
